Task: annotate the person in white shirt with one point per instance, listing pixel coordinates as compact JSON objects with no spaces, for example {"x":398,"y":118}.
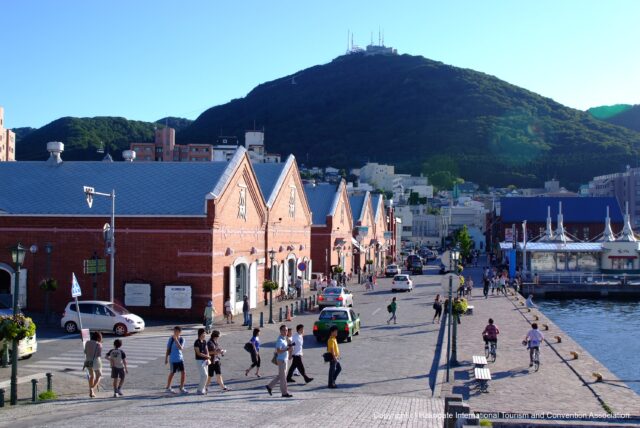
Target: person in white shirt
{"x":529,"y":303}
{"x":533,"y":339}
{"x":298,"y":343}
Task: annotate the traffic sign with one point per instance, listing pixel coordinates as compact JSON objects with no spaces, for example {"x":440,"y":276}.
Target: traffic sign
{"x":76,"y":291}
{"x":455,"y":282}
{"x":92,"y":266}
{"x":302,"y":266}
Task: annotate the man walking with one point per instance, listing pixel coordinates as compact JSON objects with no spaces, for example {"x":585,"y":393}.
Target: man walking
{"x":245,"y":310}
{"x":174,"y":356}
{"x":298,"y":343}
{"x":393,"y":306}
{"x":282,"y":355}
{"x":334,"y":364}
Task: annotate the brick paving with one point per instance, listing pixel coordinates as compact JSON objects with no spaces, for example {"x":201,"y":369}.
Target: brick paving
{"x":561,"y":386}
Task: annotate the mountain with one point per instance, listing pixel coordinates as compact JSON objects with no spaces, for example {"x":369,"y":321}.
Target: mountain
{"x":620,"y":114}
{"x":422,"y":116}
{"x":22,"y":132}
{"x":83,"y":136}
{"x":177,"y":123}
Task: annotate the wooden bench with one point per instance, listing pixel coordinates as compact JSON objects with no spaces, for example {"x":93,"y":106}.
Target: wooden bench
{"x":469,"y":310}
{"x":479,"y":360}
{"x":483,"y":376}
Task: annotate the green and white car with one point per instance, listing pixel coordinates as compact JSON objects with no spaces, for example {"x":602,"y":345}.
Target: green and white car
{"x":347,"y":321}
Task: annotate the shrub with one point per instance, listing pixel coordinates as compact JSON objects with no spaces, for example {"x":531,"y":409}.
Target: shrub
{"x":47,"y":395}
{"x":17,"y":327}
{"x":269,"y":285}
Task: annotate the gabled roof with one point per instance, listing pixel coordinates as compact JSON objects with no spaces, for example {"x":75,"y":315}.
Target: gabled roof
{"x":574,"y":210}
{"x":358,"y":203}
{"x":321,"y":199}
{"x":271,"y":176}
{"x":379,"y":206}
{"x":142,"y":188}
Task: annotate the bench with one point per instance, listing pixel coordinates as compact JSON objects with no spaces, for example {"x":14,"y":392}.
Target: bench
{"x":479,"y":360}
{"x":483,"y":376}
{"x":469,"y":310}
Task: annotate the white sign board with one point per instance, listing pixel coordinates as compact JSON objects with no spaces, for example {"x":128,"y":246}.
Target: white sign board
{"x":177,"y":296}
{"x":76,"y":291}
{"x":455,"y":282}
{"x":137,"y":294}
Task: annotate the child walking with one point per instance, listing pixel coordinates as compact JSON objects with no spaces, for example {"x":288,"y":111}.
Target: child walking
{"x":118,"y":360}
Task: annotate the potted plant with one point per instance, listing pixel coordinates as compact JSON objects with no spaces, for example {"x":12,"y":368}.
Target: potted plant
{"x":48,"y":285}
{"x":269,"y":286}
{"x":338,"y":269}
{"x":369,"y":262}
{"x":16,"y":327}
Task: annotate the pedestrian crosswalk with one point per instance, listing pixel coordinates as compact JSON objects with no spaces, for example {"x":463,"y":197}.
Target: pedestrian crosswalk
{"x":139,"y":349}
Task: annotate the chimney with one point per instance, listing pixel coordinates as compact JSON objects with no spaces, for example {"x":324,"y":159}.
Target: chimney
{"x":55,"y":148}
{"x":129,"y":155}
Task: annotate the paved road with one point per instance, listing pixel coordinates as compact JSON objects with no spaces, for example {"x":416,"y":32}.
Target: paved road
{"x":385,"y":379}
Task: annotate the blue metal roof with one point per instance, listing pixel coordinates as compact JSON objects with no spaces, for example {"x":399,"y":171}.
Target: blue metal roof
{"x":142,"y":188}
{"x":320,"y":197}
{"x":574,"y":210}
{"x":357,"y":204}
{"x":270,"y":177}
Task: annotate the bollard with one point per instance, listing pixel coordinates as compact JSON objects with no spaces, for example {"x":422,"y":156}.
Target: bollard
{"x":1,"y":397}
{"x":261,"y":319}
{"x":250,"y":325}
{"x":598,"y":376}
{"x":280,"y":316}
{"x":297,"y":312}
{"x":49,"y":382}
{"x":34,"y":390}
{"x":291,"y":311}
{"x":558,"y":339}
{"x":574,"y":354}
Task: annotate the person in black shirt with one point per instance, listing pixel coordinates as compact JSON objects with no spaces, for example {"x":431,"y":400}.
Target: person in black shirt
{"x":202,"y":360}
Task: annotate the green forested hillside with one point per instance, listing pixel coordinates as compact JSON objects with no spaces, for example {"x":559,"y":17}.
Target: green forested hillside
{"x":422,"y":115}
{"x":620,"y":114}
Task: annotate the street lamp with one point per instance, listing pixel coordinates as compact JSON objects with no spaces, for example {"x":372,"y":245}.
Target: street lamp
{"x":272,"y":256}
{"x":110,"y":232}
{"x":452,"y":361}
{"x":17,"y":256}
{"x":48,"y":249}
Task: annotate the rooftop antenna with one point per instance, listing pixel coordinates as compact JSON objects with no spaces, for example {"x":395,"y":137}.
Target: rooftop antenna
{"x":379,"y":39}
{"x":348,"y":47}
{"x":371,"y":39}
{"x":382,"y":37}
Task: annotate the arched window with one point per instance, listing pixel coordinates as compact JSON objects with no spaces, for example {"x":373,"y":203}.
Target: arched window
{"x":242,"y":283}
{"x":5,"y":282}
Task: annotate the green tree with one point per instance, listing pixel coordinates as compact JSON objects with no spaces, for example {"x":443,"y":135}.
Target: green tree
{"x":463,"y":240}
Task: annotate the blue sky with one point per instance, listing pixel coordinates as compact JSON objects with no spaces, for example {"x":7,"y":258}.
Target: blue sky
{"x":147,"y":59}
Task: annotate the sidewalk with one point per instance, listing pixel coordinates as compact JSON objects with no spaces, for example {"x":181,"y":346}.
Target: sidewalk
{"x":563,"y":385}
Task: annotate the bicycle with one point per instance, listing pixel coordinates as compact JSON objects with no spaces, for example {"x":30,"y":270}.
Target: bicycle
{"x":490,"y":350}
{"x":535,"y":357}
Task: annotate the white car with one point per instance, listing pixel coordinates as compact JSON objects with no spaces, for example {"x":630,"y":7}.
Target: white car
{"x":401,"y":282}
{"x":335,"y":296}
{"x":101,"y":316}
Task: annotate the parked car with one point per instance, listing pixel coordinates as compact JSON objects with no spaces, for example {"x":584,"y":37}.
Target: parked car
{"x":402,"y":282}
{"x":347,"y":321}
{"x":101,"y":316}
{"x":414,"y":264}
{"x":335,"y":296}
{"x":27,"y":346}
{"x":432,"y":255}
{"x":391,"y":270}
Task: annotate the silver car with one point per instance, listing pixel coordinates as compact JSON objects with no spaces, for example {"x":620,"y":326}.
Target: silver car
{"x":335,"y":296}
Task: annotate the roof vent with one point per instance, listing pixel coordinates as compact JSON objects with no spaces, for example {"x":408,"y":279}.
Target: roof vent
{"x":129,"y":155}
{"x":55,"y":148}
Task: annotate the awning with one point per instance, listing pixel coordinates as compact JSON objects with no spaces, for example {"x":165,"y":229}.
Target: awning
{"x":623,"y":257}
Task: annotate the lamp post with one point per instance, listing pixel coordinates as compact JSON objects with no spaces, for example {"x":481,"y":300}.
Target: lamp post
{"x":17,"y":256}
{"x":272,"y":256}
{"x":455,"y":256}
{"x":110,"y":233}
{"x":48,"y":249}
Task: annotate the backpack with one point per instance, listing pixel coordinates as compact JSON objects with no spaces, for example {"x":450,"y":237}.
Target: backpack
{"x":389,"y":308}
{"x":248,"y":347}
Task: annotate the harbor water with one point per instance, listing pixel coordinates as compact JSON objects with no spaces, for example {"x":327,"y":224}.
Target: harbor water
{"x":608,"y":329}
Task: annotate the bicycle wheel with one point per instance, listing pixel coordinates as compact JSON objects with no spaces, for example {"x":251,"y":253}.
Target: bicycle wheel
{"x":487,"y":352}
{"x":536,"y":360}
{"x":494,"y":353}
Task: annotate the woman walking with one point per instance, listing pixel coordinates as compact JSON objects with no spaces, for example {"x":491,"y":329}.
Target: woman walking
{"x":255,"y":353}
{"x":334,"y":363}
{"x":437,"y":306}
{"x":202,"y":360}
{"x":93,"y":361}
{"x":215,"y":352}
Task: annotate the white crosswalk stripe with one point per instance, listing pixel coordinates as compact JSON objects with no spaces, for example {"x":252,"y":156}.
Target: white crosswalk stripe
{"x":139,"y":350}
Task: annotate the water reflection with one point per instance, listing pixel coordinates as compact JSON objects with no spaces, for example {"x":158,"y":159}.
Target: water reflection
{"x":608,"y":329}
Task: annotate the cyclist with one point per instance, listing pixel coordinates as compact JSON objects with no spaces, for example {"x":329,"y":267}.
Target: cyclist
{"x":533,"y":339}
{"x":490,"y":334}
